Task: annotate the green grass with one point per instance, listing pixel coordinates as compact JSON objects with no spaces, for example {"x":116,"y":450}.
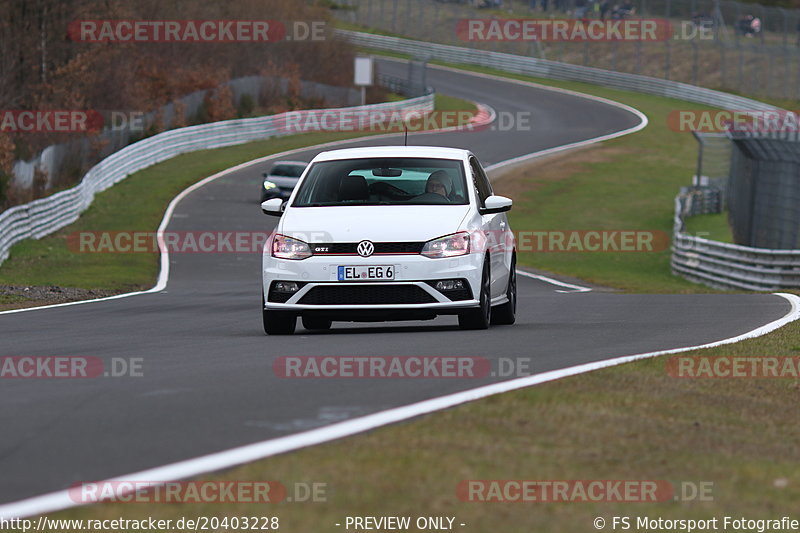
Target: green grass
{"x":138,"y":204}
{"x":445,"y":102}
{"x":10,"y":299}
{"x":713,"y":227}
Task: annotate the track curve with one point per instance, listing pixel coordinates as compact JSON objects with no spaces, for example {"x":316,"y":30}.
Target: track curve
{"x":208,"y":383}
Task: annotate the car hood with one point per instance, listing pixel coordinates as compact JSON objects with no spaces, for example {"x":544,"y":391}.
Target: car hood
{"x":283,"y":181}
{"x":381,"y":223}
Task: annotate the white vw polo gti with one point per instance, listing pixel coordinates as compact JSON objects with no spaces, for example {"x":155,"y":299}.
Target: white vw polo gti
{"x":389,"y":233}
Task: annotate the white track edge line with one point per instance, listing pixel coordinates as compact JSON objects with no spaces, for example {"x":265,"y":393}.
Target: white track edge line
{"x":575,"y":288}
{"x":59,"y":500}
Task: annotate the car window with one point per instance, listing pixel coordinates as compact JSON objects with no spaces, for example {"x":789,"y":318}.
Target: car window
{"x":288,"y":171}
{"x":383,"y":181}
{"x":480,"y":181}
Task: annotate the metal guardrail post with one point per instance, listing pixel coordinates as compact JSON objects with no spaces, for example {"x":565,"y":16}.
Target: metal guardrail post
{"x":701,"y":144}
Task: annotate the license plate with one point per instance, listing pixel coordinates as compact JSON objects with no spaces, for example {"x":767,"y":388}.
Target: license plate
{"x":366,"y":273}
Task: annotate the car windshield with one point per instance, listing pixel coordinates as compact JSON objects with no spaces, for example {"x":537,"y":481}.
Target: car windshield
{"x":288,"y":171}
{"x":383,"y":181}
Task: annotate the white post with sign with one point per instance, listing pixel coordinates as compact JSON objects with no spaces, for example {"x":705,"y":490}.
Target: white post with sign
{"x":364,"y":73}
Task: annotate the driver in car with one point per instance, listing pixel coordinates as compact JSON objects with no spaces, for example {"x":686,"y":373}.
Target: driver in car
{"x":439,"y":183}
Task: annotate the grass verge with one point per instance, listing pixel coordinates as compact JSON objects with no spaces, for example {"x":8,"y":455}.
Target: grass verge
{"x":714,"y":227}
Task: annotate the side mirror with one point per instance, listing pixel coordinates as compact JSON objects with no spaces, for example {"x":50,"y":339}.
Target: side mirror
{"x":495,"y":204}
{"x":273,"y":206}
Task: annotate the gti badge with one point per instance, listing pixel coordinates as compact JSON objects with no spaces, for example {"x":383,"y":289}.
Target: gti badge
{"x":365,"y":248}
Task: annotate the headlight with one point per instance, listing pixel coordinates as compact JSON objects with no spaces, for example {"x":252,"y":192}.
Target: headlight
{"x":448,"y":246}
{"x":269,"y":185}
{"x":284,"y":247}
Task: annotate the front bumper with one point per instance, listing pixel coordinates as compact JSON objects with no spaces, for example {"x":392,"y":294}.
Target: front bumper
{"x":414,"y":275}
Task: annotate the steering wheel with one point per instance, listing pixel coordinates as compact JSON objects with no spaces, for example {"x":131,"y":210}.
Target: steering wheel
{"x":387,"y":189}
{"x":432,"y":198}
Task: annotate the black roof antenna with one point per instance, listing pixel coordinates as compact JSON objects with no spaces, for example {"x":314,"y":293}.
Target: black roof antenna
{"x":405,"y":142}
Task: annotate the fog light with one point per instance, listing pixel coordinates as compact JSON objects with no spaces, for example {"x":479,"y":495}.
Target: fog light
{"x":449,"y":285}
{"x":285,"y":286}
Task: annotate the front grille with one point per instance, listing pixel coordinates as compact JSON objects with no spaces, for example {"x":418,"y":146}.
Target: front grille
{"x":367,"y":294}
{"x":381,"y":248}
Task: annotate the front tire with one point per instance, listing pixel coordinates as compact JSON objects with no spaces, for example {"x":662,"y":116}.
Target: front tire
{"x":506,"y":314}
{"x":480,"y":317}
{"x":278,"y":322}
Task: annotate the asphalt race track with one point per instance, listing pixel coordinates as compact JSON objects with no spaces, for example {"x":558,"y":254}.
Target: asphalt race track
{"x":208,"y":381}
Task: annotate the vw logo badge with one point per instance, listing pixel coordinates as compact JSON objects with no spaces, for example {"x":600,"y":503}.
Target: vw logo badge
{"x":365,"y":248}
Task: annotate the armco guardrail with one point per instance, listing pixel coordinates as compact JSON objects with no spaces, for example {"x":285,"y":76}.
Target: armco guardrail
{"x":730,"y":266}
{"x":702,"y":260}
{"x":554,"y":70}
{"x":46,"y":215}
